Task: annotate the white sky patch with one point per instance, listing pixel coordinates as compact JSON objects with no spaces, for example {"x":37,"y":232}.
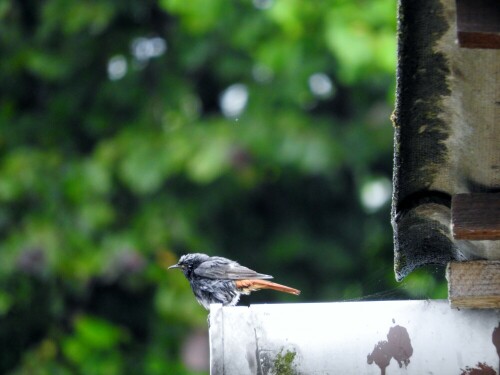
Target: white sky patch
{"x":234,"y":100}
{"x":117,"y":67}
{"x":263,"y":4}
{"x":321,"y":85}
{"x":144,"y":49}
{"x":375,"y":193}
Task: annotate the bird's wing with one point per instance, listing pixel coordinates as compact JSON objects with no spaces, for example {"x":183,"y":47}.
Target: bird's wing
{"x":222,"y":268}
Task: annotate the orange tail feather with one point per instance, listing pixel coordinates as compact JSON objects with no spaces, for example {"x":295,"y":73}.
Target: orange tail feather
{"x":247,"y":286}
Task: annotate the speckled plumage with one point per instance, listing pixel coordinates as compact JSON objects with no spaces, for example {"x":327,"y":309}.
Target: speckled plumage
{"x":221,"y":280}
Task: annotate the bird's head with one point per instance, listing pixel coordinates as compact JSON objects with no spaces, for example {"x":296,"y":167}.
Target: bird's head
{"x":189,"y":262}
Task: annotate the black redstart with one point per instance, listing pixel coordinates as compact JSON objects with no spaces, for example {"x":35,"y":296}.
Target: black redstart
{"x":221,"y":280}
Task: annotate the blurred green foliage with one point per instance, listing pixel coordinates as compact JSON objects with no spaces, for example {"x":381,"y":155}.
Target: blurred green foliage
{"x":117,"y":156}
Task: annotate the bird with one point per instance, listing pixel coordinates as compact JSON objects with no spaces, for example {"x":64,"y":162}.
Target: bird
{"x":215,"y":279}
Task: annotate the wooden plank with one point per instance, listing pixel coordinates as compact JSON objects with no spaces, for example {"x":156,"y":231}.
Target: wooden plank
{"x":476,"y":216}
{"x":478,"y":23}
{"x":379,"y":337}
{"x":472,"y":39}
{"x":474,"y":284}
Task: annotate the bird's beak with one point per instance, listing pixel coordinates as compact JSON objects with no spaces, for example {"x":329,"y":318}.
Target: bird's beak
{"x":174,"y":266}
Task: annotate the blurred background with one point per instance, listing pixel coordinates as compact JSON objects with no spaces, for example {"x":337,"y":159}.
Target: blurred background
{"x":134,"y":131}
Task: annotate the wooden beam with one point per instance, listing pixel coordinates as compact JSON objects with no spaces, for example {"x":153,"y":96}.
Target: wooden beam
{"x":381,"y":337}
{"x":476,"y":216}
{"x":478,"y":23}
{"x":474,"y":284}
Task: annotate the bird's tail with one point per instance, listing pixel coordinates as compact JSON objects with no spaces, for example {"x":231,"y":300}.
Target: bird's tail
{"x":247,"y":286}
